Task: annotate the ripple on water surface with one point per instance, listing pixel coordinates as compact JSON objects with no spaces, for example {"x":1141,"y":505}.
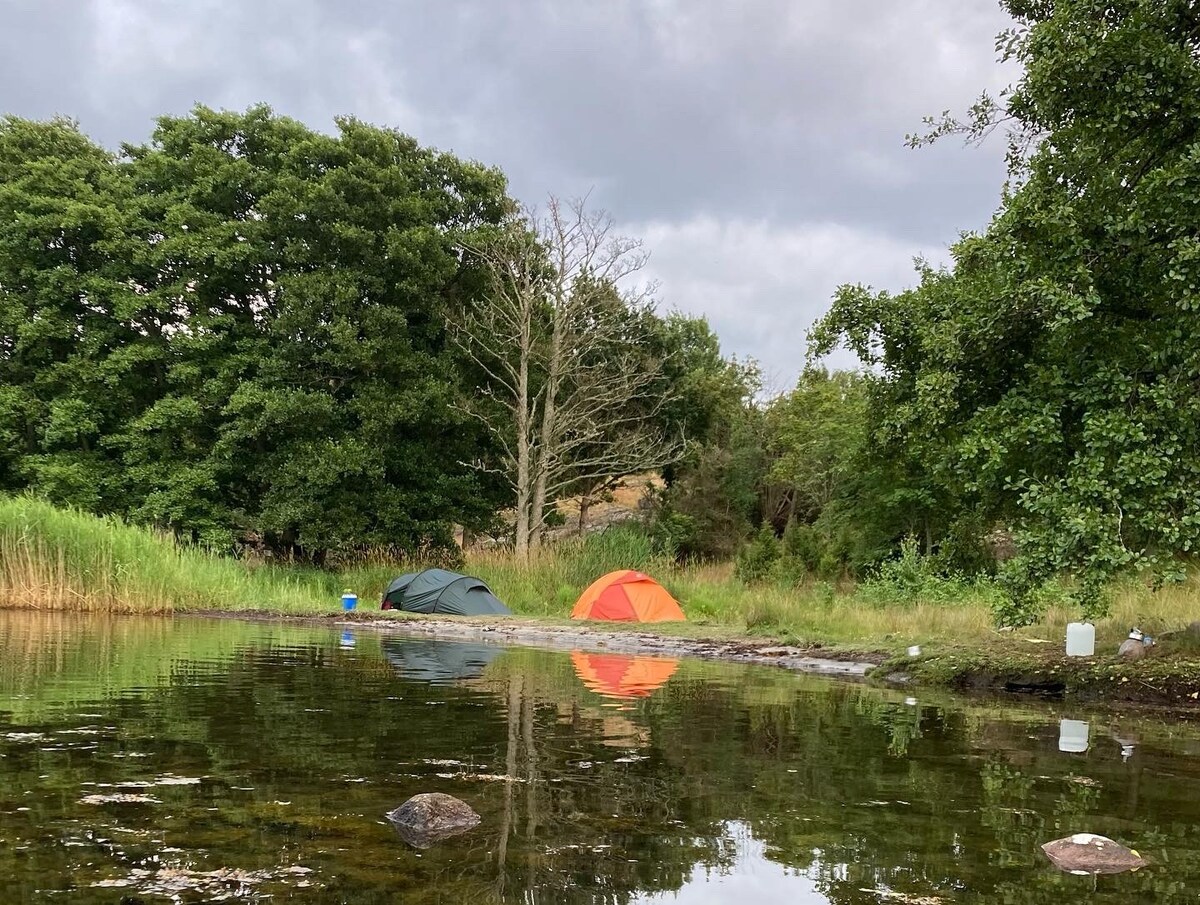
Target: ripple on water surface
{"x":215,"y":760}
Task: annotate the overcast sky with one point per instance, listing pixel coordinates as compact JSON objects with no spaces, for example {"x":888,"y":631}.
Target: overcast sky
{"x":756,"y":145}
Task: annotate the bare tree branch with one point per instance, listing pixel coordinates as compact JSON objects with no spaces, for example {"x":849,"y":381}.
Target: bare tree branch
{"x":572,"y":392}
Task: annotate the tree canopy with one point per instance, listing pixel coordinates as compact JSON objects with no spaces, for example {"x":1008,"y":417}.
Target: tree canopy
{"x":249,"y":332}
{"x":1048,"y":379}
{"x":237,"y":330}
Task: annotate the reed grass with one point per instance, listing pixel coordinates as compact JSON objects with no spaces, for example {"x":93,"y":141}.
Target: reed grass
{"x":58,"y":559}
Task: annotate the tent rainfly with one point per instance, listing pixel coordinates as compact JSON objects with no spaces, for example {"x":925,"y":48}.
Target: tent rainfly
{"x":627,"y":596}
{"x":443,"y":592}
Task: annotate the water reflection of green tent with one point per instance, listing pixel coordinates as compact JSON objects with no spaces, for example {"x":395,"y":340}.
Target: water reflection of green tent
{"x":438,"y":661}
{"x":444,"y":592}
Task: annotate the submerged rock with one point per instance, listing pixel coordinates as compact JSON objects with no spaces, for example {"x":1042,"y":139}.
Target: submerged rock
{"x":1087,"y":853}
{"x":432,"y":816}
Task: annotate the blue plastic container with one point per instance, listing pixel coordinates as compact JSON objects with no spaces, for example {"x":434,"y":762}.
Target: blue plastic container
{"x":349,"y":601}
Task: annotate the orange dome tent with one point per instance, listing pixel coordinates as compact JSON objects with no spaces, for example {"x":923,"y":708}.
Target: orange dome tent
{"x":627,"y":597}
{"x":621,"y":676}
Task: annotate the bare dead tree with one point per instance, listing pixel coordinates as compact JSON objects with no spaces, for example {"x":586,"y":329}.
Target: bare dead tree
{"x":573,"y":396}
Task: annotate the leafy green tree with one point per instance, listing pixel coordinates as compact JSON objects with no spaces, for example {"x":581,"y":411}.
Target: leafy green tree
{"x":309,"y":396}
{"x":816,"y":432}
{"x":1048,"y":380}
{"x":713,"y":496}
{"x":74,"y":359}
{"x":237,"y":331}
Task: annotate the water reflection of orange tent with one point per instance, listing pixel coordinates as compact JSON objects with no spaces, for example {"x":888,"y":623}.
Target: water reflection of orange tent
{"x":621,"y":676}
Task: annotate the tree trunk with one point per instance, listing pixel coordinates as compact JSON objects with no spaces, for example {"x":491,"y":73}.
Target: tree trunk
{"x":524,"y":453}
{"x":585,"y":503}
{"x":537,"y":515}
{"x":541,"y":482}
{"x":537,"y":505}
{"x":548,"y":433}
{"x":522,"y":530}
{"x":531,"y":768}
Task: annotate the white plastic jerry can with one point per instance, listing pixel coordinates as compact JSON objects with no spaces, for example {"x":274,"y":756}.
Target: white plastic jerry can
{"x":1081,"y":639}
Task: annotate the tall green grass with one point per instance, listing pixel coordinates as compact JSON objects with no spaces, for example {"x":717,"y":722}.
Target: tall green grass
{"x":60,"y":559}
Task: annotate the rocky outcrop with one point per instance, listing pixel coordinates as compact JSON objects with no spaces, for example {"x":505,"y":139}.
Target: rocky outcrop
{"x":432,"y":816}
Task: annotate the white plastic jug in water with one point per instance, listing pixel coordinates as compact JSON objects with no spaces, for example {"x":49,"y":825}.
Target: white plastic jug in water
{"x":1081,"y":639}
{"x":1073,"y":736}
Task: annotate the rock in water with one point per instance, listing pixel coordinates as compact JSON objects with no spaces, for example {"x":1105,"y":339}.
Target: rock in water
{"x":432,"y":816}
{"x":1087,"y":853}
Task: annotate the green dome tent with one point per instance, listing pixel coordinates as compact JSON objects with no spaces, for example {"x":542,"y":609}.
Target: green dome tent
{"x":439,"y":591}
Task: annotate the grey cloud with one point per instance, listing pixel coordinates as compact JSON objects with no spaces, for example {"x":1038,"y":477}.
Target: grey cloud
{"x":755,"y":281}
{"x":786,"y":115}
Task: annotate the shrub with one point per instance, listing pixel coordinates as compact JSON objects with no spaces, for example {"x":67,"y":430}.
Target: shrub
{"x":672,"y":533}
{"x":757,"y":559}
{"x":804,"y":544}
{"x":910,"y":578}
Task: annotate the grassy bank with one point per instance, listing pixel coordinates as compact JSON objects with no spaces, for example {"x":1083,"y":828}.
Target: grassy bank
{"x":53,"y":559}
{"x":885,"y":615}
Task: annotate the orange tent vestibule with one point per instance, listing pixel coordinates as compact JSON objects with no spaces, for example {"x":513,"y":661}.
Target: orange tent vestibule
{"x":627,"y":596}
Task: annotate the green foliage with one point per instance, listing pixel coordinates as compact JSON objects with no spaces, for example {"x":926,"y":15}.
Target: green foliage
{"x":673,"y":532}
{"x":910,"y":578}
{"x":236,"y":331}
{"x":816,"y":434}
{"x":714,"y":493}
{"x":803,"y":544}
{"x":71,"y":359}
{"x":807,"y":551}
{"x":756,"y":561}
{"x":1047,"y":381}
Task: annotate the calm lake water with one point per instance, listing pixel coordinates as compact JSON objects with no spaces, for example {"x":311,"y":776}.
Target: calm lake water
{"x":206,"y":760}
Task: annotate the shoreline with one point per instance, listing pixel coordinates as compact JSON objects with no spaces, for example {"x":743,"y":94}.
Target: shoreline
{"x":628,"y":642}
{"x":1019,"y":665}
{"x":1166,"y":680}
